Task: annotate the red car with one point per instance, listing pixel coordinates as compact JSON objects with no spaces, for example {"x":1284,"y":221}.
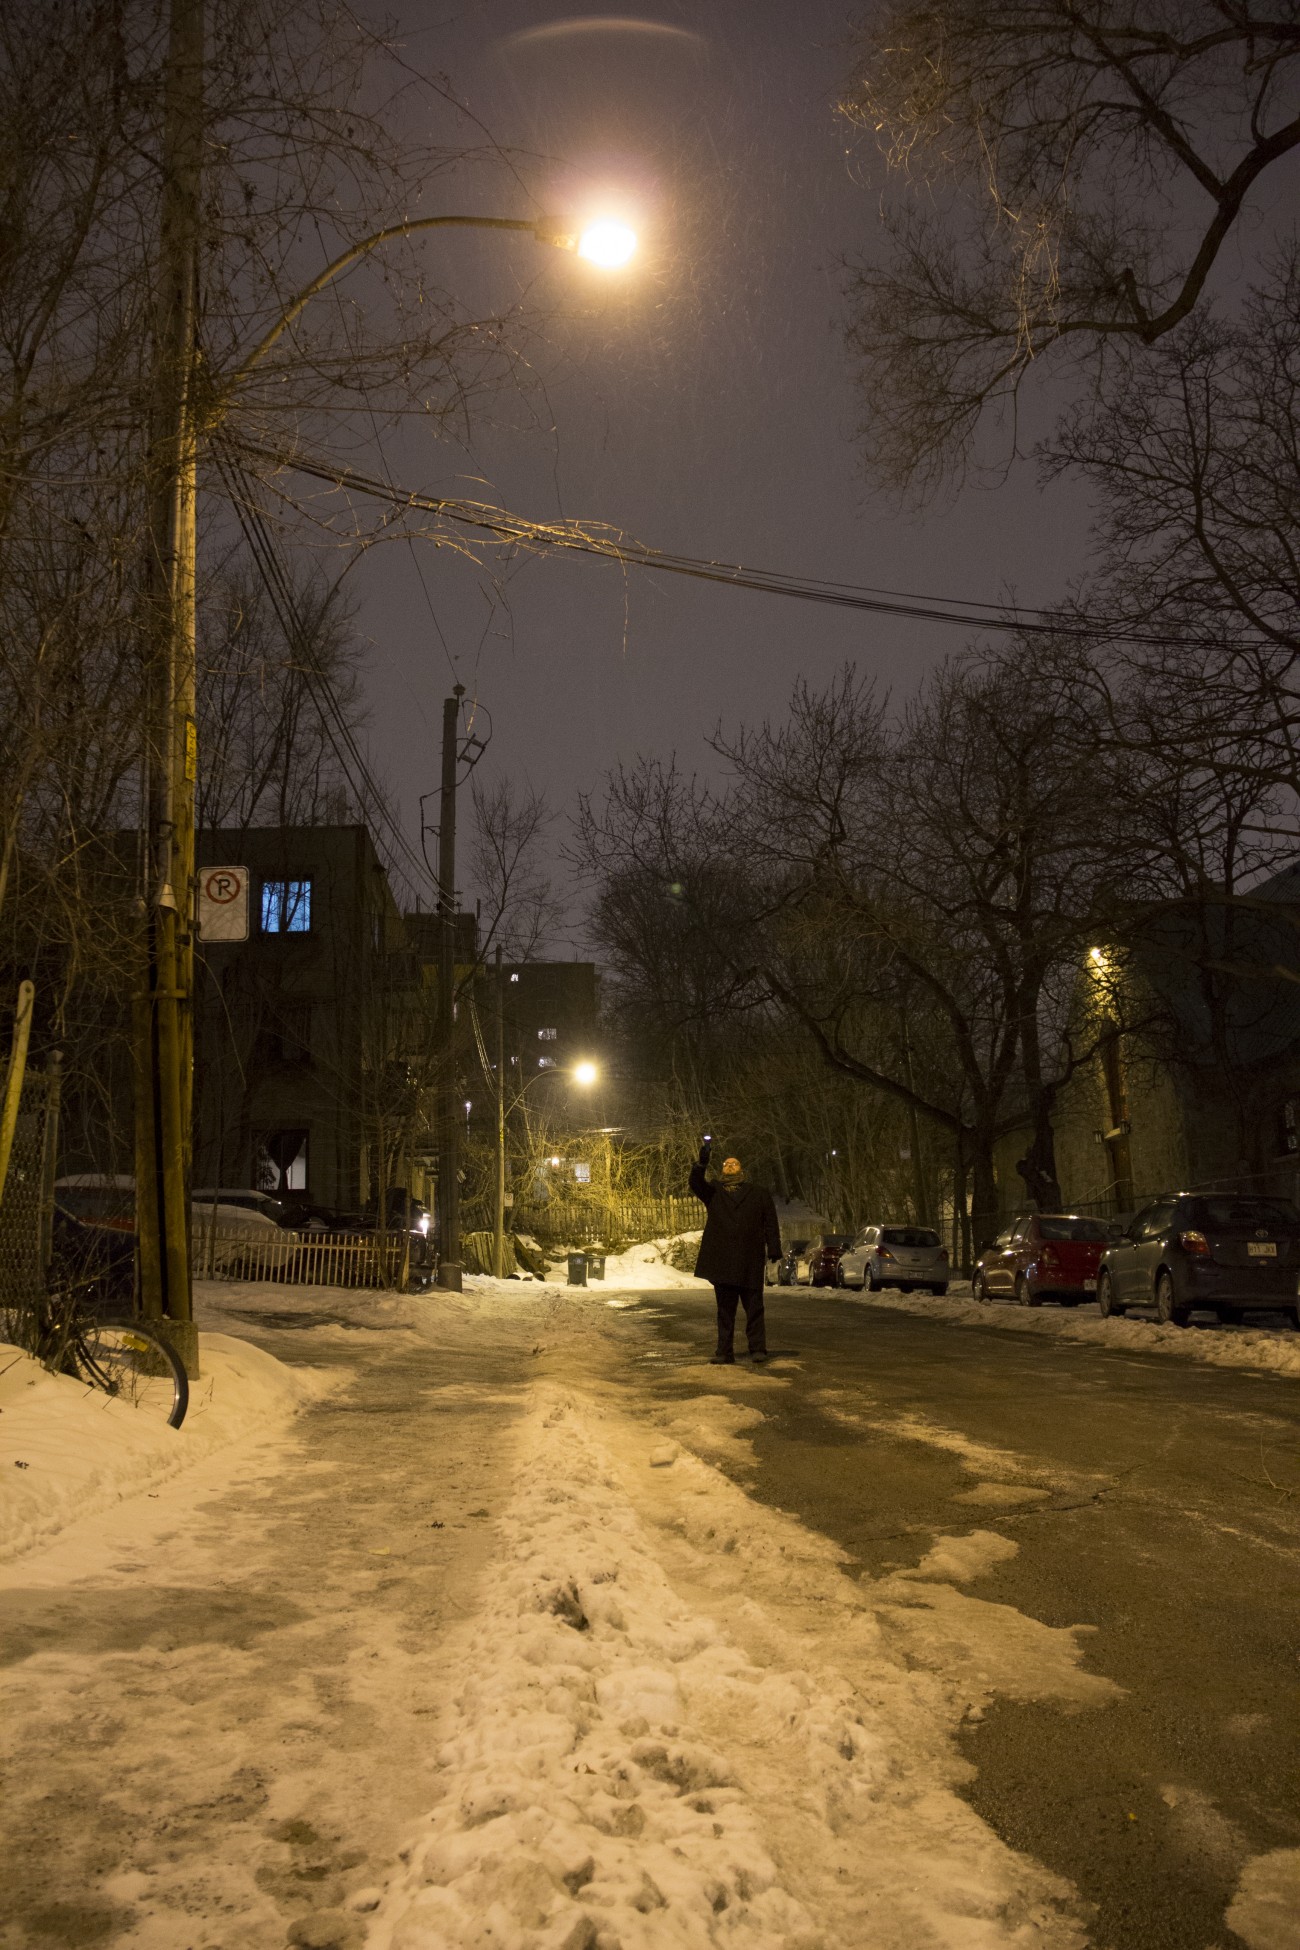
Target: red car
{"x":819,"y":1259}
{"x":1046,"y":1256}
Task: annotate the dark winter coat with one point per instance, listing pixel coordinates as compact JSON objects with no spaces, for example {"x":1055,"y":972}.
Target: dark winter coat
{"x":739,"y":1233}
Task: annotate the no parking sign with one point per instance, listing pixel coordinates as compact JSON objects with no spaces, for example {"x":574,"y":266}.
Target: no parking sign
{"x":223,"y":903}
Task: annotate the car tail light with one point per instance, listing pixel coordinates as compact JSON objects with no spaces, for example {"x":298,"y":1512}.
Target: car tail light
{"x":1195,"y":1243}
{"x":943,"y":1252}
{"x":884,"y":1253}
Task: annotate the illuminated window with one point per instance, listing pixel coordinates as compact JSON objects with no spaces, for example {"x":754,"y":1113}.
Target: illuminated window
{"x":546,"y":1035}
{"x":514,"y":978}
{"x":582,"y":1172}
{"x":286,"y":907}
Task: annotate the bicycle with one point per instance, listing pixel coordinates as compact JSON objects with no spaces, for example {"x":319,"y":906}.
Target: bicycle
{"x":71,"y":1329}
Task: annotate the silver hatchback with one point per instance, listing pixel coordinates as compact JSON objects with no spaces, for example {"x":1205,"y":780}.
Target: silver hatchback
{"x":902,"y":1256}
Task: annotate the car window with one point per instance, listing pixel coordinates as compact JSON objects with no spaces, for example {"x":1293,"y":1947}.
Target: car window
{"x":1019,"y":1230}
{"x":914,"y":1236}
{"x":1003,"y":1238}
{"x":1214,"y":1213}
{"x":1155,"y":1219}
{"x":1073,"y":1229}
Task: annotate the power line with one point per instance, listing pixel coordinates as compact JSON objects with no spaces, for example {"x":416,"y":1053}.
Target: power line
{"x":580,"y":539}
{"x":333,"y":719}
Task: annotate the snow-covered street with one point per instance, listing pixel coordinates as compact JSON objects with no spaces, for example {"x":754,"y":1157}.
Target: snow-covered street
{"x":487,"y":1620}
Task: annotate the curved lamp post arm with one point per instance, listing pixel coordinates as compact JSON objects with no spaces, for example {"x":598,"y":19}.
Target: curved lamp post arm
{"x":546,"y":230}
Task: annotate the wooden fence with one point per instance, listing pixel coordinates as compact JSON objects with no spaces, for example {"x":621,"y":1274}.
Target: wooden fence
{"x":304,"y":1259}
{"x":606,"y":1222}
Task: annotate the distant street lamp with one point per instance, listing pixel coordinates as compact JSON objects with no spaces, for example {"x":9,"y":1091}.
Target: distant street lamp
{"x":584,"y":1074}
{"x":183,"y":413}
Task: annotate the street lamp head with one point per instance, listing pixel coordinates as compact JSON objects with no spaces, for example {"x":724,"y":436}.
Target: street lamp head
{"x":607,"y":243}
{"x":585,"y":1074}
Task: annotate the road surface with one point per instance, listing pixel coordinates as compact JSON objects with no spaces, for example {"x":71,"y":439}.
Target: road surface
{"x":1156,"y":1500}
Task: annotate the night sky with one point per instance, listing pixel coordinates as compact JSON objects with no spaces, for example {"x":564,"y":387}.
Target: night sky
{"x":704,"y":403}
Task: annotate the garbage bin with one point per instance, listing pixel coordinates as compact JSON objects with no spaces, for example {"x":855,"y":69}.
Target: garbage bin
{"x":577,"y":1269}
{"x":596,"y":1265}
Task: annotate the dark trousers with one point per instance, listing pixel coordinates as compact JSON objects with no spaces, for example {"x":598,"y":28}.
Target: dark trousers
{"x":731,"y":1297}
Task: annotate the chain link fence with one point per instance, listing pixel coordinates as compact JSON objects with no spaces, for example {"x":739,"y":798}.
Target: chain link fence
{"x":27,"y":1200}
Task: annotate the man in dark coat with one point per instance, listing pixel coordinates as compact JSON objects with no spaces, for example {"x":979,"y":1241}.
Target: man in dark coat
{"x":740,"y":1230}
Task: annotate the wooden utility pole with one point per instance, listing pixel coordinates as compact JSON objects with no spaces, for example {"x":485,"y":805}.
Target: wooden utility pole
{"x":499,"y":1224}
{"x":164,"y":1008}
{"x":449,"y":1261}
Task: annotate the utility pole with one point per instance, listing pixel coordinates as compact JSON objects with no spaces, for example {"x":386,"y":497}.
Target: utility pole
{"x":499,"y":1225}
{"x":164,"y":1007}
{"x":449,"y":1262}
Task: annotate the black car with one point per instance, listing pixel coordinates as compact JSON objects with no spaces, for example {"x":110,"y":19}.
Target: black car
{"x":94,"y":1262}
{"x":1224,"y":1252}
{"x":780,"y":1272}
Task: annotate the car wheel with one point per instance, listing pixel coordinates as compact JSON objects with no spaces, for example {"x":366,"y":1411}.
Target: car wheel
{"x":871,"y":1283}
{"x":1167,"y":1309}
{"x":1024,"y":1297}
{"x":978,"y":1290}
{"x":1107,"y":1304}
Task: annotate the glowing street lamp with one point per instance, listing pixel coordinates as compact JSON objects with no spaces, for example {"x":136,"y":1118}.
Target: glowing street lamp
{"x":585,"y":1074}
{"x":607,"y":243}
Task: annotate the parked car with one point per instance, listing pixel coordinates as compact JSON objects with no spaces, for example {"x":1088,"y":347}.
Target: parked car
{"x":780,"y":1272}
{"x":94,"y":1261}
{"x":1043,"y":1256}
{"x":901,"y":1256}
{"x":816,"y":1264}
{"x":1227,"y":1253}
{"x":248,"y":1200}
{"x":221,"y":1237}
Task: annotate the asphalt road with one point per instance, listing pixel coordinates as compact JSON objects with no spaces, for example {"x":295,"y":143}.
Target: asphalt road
{"x":1155,"y":1500}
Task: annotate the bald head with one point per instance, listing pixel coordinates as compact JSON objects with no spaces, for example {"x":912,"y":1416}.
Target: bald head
{"x":732,"y":1168}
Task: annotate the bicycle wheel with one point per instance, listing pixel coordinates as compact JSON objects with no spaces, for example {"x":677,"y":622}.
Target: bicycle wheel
{"x":129,"y":1360}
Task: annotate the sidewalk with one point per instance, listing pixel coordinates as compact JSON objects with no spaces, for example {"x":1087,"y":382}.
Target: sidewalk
{"x":479,"y":1651}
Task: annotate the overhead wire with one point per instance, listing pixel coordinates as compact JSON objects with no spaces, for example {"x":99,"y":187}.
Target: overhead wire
{"x":261,"y":545}
{"x":593,"y":540}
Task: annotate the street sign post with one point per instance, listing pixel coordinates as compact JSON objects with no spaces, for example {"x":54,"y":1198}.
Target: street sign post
{"x":223,"y":903}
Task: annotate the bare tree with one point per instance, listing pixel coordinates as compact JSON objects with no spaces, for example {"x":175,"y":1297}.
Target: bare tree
{"x":1062,"y":180}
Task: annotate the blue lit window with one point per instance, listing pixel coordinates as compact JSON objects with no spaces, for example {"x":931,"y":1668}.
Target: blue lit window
{"x":286,"y":907}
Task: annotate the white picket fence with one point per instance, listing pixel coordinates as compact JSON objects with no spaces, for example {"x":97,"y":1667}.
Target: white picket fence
{"x":302,"y":1259}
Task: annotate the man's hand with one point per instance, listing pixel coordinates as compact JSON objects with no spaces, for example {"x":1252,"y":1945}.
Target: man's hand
{"x":705,"y":1152}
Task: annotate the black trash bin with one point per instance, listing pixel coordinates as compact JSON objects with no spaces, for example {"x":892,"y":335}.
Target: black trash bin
{"x":596,"y":1265}
{"x":577,"y":1269}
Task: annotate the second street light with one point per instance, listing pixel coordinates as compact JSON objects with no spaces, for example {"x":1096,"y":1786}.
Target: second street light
{"x":584,"y":1074}
{"x":184,"y":413}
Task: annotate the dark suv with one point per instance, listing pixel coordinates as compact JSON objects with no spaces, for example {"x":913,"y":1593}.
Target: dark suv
{"x":1195,"y":1249}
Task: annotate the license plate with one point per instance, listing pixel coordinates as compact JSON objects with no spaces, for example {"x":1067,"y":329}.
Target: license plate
{"x":1090,"y":1286}
{"x":1261,"y":1249}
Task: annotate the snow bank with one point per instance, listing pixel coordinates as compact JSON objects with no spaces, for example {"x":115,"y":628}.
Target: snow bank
{"x":678,"y":1724}
{"x":1275,"y":1350}
{"x":67,"y":1450}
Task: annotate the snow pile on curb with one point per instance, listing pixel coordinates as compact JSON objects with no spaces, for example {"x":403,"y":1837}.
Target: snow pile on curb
{"x":632,"y":1761}
{"x":1222,"y":1347}
{"x":67,"y":1450}
{"x":640,"y":1268}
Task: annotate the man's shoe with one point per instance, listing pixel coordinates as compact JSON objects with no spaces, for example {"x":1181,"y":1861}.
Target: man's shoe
{"x":761,"y":1356}
{"x":722,"y":1360}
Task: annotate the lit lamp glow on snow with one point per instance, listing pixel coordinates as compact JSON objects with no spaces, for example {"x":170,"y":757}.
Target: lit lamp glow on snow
{"x":584,"y":1073}
{"x":607,"y":243}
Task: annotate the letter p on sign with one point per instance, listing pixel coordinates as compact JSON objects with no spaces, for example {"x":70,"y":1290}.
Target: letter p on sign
{"x":223,"y":903}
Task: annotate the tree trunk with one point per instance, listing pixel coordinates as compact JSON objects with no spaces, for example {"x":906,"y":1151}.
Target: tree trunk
{"x":1038,"y":1166}
{"x":984,"y":1190}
